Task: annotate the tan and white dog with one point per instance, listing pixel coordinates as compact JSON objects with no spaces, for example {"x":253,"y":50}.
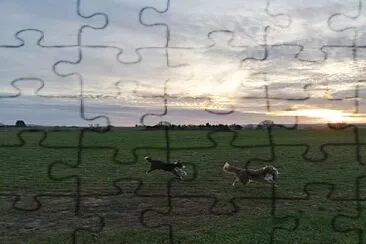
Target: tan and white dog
{"x":265,"y":174}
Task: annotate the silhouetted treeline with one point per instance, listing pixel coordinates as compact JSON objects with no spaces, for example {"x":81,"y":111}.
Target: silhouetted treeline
{"x":191,"y":127}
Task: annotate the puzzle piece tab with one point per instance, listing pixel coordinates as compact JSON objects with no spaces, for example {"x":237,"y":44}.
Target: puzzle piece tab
{"x":48,"y":17}
{"x":32,"y":62}
{"x":350,"y":22}
{"x":190,"y":22}
{"x":309,"y":27}
{"x":126,"y":28}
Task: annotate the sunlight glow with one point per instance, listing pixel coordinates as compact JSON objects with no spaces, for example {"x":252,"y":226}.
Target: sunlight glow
{"x":329,"y":115}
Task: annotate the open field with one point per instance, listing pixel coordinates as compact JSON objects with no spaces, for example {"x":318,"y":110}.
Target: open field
{"x":106,"y":177}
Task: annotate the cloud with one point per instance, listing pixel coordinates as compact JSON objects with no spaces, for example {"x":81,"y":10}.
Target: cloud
{"x":214,"y":76}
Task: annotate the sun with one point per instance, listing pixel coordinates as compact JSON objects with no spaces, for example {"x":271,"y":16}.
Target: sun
{"x":329,"y":115}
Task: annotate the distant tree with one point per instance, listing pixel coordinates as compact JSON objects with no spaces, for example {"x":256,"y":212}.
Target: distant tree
{"x":20,"y":123}
{"x":337,"y":126}
{"x":264,"y":124}
{"x":238,"y":127}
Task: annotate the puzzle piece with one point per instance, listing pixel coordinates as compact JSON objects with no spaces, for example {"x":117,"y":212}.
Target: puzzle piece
{"x":91,"y":182}
{"x":316,"y":105}
{"x":303,"y":88}
{"x":100,"y":79}
{"x":295,"y":169}
{"x":50,"y":84}
{"x":122,"y":212}
{"x":333,"y":115}
{"x":202,"y":20}
{"x":24,"y":172}
{"x":315,"y":213}
{"x":57,"y":215}
{"x":48,"y":17}
{"x":34,"y":109}
{"x":309,"y":27}
{"x":352,"y":222}
{"x":122,"y":18}
{"x":31,"y":61}
{"x":349,"y":22}
{"x":330,"y":100}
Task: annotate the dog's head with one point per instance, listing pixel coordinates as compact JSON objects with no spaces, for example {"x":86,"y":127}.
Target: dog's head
{"x":179,"y":165}
{"x":147,"y":158}
{"x":226,"y":166}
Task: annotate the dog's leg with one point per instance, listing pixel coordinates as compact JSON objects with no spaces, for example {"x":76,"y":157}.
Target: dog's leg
{"x":236,"y":180}
{"x":177,"y":174}
{"x":149,"y":171}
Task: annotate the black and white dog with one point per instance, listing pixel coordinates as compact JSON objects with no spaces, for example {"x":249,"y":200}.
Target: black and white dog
{"x":176,"y":168}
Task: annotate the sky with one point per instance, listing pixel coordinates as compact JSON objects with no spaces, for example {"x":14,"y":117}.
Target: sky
{"x":98,"y":62}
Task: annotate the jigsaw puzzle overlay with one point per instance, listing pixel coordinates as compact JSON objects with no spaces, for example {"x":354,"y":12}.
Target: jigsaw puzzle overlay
{"x":152,"y":121}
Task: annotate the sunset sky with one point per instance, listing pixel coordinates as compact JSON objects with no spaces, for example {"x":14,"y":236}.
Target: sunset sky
{"x":208,"y":55}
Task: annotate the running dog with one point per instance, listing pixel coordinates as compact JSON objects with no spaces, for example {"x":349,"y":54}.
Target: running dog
{"x":266,"y":174}
{"x":176,"y":168}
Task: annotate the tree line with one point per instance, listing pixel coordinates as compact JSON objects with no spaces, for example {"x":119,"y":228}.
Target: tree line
{"x":262,"y":125}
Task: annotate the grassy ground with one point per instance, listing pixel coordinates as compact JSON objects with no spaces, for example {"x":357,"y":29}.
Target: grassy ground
{"x":316,"y":184}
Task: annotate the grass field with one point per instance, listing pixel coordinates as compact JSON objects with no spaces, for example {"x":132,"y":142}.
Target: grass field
{"x":310,"y":195}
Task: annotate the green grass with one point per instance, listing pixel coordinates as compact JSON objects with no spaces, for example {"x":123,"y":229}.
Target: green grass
{"x":24,"y":173}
